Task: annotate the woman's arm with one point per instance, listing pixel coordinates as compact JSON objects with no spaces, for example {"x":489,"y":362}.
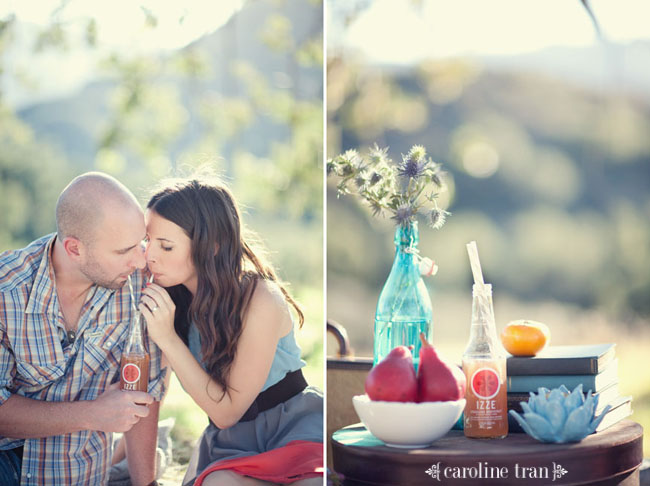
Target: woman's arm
{"x":265,"y":322}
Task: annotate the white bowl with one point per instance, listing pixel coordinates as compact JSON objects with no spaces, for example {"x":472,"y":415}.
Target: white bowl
{"x":407,"y":424}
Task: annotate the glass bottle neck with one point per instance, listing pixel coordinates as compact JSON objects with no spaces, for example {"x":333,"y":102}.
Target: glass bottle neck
{"x":407,"y":237}
{"x":483,"y":340}
{"x":134,"y":344}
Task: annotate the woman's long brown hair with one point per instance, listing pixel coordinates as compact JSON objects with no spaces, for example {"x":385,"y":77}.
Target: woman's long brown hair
{"x":227,"y":266}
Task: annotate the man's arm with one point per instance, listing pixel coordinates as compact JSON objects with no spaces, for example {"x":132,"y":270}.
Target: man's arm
{"x":24,"y":418}
{"x":113,"y":411}
{"x":141,"y":443}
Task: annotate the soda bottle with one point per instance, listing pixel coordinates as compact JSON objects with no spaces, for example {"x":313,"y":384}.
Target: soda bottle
{"x":134,"y":366}
{"x":484,"y":365}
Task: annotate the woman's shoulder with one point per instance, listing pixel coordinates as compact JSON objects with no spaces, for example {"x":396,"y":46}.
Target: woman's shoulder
{"x":269,"y":301}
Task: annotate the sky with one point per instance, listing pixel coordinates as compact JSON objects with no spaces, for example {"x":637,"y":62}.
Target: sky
{"x":387,"y":31}
{"x":121,"y":22}
{"x":397,"y":32}
{"x":121,"y":26}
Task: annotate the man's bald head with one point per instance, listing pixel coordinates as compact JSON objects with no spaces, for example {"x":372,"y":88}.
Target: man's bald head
{"x":82,"y":205}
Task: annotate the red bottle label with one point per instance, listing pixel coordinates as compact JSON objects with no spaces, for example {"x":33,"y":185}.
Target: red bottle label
{"x":130,"y":373}
{"x":485,"y":383}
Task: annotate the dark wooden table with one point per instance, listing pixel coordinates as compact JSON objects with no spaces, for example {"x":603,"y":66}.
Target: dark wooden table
{"x":610,"y":457}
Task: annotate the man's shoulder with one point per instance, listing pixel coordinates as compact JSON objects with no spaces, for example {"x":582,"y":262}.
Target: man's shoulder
{"x":17,"y":267}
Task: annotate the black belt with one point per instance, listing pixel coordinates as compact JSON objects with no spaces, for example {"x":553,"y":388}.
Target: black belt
{"x":293,"y":383}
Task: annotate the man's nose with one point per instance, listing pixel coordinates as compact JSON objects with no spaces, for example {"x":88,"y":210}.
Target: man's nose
{"x":148,"y":254}
{"x":139,"y":260}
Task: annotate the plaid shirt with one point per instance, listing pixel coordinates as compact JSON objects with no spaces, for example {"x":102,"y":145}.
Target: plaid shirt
{"x":37,"y":361}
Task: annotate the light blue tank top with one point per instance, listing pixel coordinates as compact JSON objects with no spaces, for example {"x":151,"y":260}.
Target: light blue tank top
{"x":286,"y":359}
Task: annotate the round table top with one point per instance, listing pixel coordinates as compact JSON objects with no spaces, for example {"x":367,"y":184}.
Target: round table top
{"x":607,"y":457}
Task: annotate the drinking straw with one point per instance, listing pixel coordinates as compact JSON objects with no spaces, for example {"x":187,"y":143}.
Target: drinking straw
{"x":484,"y":303}
{"x":475,"y":263}
{"x":135,"y":309}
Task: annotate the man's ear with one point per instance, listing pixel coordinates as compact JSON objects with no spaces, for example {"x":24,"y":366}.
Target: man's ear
{"x":73,"y":247}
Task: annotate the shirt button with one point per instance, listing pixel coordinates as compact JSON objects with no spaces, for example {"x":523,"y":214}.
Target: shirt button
{"x":29,"y":476}
{"x":110,"y":343}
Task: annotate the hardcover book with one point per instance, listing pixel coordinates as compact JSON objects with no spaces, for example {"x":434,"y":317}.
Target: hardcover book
{"x":609,"y":395}
{"x":595,"y":383}
{"x":581,"y":359}
{"x":619,"y":411}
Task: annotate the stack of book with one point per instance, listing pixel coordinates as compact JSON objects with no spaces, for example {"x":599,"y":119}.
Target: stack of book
{"x":593,"y":365}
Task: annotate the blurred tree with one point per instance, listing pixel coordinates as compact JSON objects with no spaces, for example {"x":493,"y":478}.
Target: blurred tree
{"x":28,"y":190}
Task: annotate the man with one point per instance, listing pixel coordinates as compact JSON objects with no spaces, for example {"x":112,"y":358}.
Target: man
{"x":64,"y":316}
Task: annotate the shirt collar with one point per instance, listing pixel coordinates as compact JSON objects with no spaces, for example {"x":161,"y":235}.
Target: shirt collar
{"x":42,"y":295}
{"x":43,"y":298}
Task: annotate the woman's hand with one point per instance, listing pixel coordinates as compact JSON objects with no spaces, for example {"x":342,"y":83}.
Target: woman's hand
{"x":158,"y":310}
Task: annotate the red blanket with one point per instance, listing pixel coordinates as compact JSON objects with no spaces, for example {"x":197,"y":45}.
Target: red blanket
{"x":299,"y":459}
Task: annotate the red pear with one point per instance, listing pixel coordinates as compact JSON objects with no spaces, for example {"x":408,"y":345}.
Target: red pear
{"x":438,"y":381}
{"x":393,"y":378}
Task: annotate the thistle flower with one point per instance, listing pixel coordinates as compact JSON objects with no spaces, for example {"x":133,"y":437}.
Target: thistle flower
{"x":437,"y":217}
{"x":401,"y":189}
{"x":412,"y":168}
{"x":347,"y":170}
{"x":378,"y":155}
{"x":404,"y":214}
{"x":376,"y":208}
{"x":375,"y":178}
{"x":356,"y":161}
{"x":331,"y":167}
{"x":360,"y":180}
{"x":417,"y":152}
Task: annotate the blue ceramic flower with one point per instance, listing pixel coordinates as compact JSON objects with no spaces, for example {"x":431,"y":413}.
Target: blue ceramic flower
{"x":559,"y":415}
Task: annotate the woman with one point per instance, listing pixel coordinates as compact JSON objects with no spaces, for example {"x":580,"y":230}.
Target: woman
{"x":223,"y":322}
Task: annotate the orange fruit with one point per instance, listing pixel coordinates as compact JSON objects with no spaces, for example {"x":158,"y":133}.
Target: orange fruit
{"x":525,"y":338}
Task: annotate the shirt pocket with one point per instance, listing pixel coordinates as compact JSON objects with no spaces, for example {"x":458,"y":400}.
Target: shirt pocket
{"x":102,"y":350}
{"x":34,"y":375}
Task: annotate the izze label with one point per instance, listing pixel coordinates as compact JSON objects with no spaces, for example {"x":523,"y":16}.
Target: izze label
{"x":485,"y":383}
{"x":130,"y":373}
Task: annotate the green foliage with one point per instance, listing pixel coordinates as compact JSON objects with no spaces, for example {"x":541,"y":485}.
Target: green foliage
{"x":28,"y":191}
{"x":310,"y":53}
{"x":276,"y":33}
{"x":53,"y":37}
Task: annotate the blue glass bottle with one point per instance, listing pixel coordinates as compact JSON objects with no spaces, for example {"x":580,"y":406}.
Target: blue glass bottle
{"x":404,"y":306}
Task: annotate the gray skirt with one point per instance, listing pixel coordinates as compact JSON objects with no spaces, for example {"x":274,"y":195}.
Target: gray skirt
{"x":299,"y":418}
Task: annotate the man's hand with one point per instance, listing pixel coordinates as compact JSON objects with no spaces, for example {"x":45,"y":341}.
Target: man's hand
{"x":117,"y":410}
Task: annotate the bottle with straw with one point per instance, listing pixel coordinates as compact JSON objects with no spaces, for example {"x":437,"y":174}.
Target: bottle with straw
{"x":484,"y":364}
{"x":134,"y":366}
